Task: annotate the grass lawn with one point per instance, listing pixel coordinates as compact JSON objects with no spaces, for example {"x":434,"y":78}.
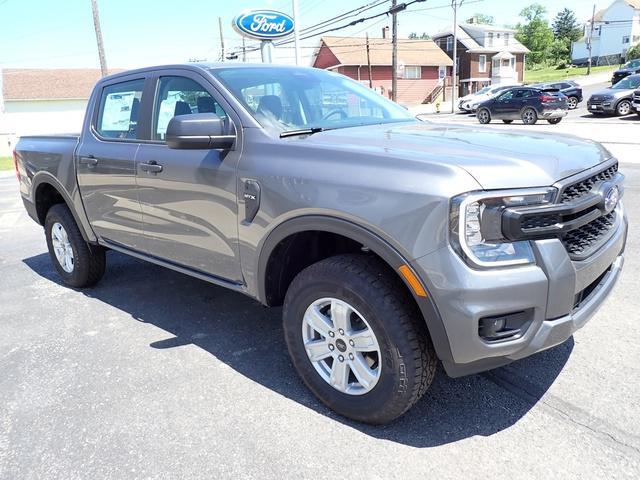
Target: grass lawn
{"x":550,"y":74}
{"x":6,"y":163}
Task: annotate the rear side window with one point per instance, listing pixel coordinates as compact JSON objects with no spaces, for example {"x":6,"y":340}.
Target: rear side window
{"x":181,"y":96}
{"x":119,"y":110}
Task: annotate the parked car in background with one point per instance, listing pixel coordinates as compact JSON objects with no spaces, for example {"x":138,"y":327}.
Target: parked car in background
{"x":470,"y":103}
{"x":526,"y":103}
{"x":571,"y":89}
{"x":635,"y":103}
{"x":629,"y":68}
{"x":615,"y":100}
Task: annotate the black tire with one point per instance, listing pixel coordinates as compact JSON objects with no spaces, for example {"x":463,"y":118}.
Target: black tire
{"x":623,"y":108}
{"x":408,"y":362}
{"x":554,"y":121}
{"x":572,"y":103}
{"x":508,"y":121}
{"x":529,"y":116}
{"x":484,"y":116}
{"x":88,"y":260}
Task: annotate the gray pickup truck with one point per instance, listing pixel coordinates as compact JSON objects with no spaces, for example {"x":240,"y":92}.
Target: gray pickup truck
{"x":393,"y":244}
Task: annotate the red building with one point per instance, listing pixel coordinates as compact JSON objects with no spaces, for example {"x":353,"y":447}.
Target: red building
{"x":422,"y":65}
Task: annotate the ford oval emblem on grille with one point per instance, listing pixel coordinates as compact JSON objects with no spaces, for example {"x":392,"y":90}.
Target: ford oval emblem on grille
{"x":611,"y":198}
{"x":263,"y":24}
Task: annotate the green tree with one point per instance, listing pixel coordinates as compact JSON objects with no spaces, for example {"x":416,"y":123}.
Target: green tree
{"x":482,"y":19}
{"x":535,"y":34}
{"x":560,"y":51}
{"x":633,"y":53}
{"x":565,"y":26}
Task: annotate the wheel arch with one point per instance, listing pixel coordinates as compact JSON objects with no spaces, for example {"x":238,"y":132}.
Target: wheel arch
{"x":368,"y":240}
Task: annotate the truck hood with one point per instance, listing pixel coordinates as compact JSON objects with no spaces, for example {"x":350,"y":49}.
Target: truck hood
{"x":495,"y":158}
{"x":616,"y":92}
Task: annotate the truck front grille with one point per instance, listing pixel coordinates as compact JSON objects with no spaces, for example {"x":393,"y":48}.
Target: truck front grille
{"x":579,"y":189}
{"x":581,"y":241}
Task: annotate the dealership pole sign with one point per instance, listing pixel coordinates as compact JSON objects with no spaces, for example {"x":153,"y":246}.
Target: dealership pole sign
{"x":264,"y":25}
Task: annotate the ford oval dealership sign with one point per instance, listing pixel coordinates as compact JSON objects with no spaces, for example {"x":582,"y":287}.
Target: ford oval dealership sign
{"x":263,"y":24}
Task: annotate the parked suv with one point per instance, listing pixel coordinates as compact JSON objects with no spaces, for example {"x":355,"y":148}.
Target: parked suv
{"x":526,"y":103}
{"x":392,"y":245}
{"x":469,"y":103}
{"x":571,"y":89}
{"x":615,"y":100}
{"x":636,"y":101}
{"x":629,"y":68}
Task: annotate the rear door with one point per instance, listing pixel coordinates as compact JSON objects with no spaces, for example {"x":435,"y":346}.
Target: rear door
{"x":105,"y":161}
{"x":190,"y":207}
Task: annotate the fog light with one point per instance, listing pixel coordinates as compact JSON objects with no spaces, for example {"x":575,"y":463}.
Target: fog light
{"x":507,"y":325}
{"x":490,"y":327}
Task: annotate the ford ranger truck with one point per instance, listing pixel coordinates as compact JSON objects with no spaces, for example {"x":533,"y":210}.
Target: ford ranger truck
{"x":392,"y":244}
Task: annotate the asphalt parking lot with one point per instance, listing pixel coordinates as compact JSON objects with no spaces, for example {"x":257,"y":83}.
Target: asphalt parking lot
{"x":153,"y":374}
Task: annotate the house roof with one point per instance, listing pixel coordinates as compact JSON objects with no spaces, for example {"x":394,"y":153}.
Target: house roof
{"x":634,"y":3}
{"x":471,"y":35}
{"x":49,"y":84}
{"x":353,"y":51}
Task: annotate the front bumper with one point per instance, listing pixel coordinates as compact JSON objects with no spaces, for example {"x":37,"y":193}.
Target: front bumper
{"x":546,"y":292}
{"x":606,"y":106}
{"x":636,"y":105}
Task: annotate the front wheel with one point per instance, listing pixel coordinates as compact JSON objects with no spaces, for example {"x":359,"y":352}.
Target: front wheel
{"x":484,"y":116}
{"x":623,"y":108}
{"x":572,"y":103}
{"x":78,"y":263}
{"x":357,"y":339}
{"x":529,"y":116}
{"x":554,"y":121}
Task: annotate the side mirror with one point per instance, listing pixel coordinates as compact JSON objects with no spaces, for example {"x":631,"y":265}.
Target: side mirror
{"x":197,"y":131}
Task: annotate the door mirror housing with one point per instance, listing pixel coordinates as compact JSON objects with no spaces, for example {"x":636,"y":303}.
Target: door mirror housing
{"x":198,"y":131}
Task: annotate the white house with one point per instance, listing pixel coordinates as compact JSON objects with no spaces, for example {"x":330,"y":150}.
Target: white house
{"x":615,"y":30}
{"x":41,"y":101}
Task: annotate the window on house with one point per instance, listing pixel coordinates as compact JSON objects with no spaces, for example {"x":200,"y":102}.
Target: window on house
{"x":490,"y":40}
{"x":625,"y":39}
{"x":506,"y":39}
{"x":513,"y":63}
{"x":449,"y":44}
{"x":496,"y":63}
{"x":412,"y":71}
{"x":482,"y":63}
{"x":636,"y":38}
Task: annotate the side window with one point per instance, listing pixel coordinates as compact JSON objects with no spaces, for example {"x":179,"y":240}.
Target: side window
{"x":119,"y":109}
{"x":505,"y":97}
{"x":181,"y":96}
{"x":524,"y":93}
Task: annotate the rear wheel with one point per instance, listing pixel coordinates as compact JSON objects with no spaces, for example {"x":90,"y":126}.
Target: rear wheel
{"x":507,"y":121}
{"x":529,"y":116}
{"x":554,"y":121}
{"x":623,"y":108}
{"x":357,"y":339}
{"x":484,"y":116}
{"x":78,"y":263}
{"x":572,"y":103}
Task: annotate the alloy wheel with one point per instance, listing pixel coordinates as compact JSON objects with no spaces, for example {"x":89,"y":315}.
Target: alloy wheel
{"x":341,"y":346}
{"x":62,"y":247}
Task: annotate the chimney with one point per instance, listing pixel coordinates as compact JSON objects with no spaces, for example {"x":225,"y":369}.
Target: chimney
{"x":385,"y":32}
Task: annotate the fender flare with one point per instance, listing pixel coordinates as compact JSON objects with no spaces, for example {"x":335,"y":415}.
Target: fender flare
{"x":391,"y":255}
{"x":42,"y":178}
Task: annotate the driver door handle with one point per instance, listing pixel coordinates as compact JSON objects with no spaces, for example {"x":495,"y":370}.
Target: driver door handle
{"x":89,"y":161}
{"x":151,"y":167}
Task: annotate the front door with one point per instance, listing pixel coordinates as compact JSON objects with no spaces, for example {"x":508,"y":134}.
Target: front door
{"x":505,"y":105}
{"x":189,"y":207}
{"x":105,"y":162}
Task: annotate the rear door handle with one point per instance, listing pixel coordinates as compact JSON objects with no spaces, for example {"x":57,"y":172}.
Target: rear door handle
{"x":151,"y":166}
{"x":89,"y":161}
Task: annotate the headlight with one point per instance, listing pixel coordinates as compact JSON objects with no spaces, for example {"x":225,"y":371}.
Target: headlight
{"x":607,"y":97}
{"x":476,"y":226}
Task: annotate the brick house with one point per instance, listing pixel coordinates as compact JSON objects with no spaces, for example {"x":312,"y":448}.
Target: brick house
{"x":486,"y":55}
{"x":422,"y":66}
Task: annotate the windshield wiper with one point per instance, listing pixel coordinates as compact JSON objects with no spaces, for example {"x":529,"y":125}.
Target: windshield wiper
{"x":302,"y":131}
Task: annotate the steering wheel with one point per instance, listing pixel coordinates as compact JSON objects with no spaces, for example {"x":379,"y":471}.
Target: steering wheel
{"x":335,"y":111}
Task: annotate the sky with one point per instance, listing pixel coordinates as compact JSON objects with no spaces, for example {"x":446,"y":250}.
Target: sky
{"x":57,"y":34}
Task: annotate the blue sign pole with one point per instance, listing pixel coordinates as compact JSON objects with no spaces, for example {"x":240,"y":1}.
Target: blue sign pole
{"x":264,"y":25}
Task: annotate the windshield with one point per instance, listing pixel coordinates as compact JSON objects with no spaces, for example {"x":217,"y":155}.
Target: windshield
{"x":290,"y":98}
{"x":632,"y":64}
{"x":483,"y":90}
{"x":628,"y":83}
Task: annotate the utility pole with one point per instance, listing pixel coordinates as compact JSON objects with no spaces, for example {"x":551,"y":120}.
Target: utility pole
{"x":96,"y":26}
{"x":296,"y":35}
{"x":244,"y":51}
{"x":454,"y":72}
{"x":221,"y":39}
{"x":590,"y":44}
{"x":394,"y":51}
{"x":369,"y":62}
